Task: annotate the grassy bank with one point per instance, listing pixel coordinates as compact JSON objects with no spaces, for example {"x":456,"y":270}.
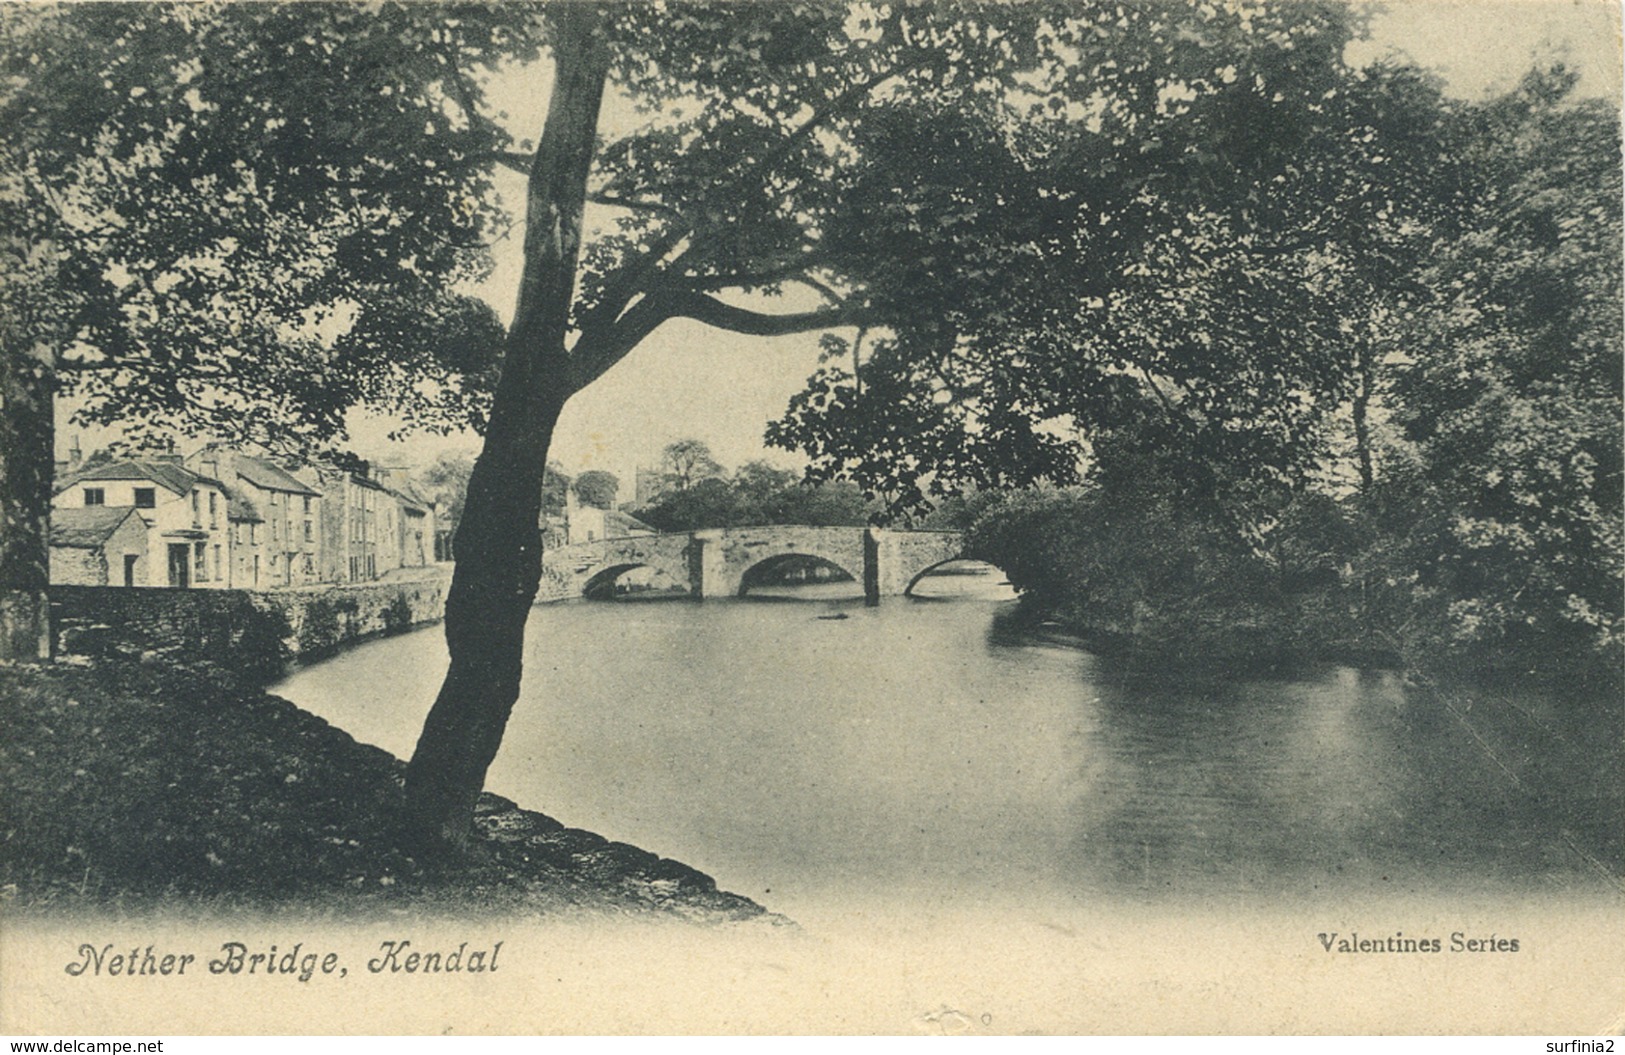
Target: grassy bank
{"x":129,"y":787}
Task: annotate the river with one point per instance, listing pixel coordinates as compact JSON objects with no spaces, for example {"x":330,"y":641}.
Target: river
{"x":813,"y":753}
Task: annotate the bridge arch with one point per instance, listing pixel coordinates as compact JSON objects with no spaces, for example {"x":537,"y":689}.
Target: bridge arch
{"x":602,"y":583}
{"x":754,"y":575}
{"x":725,"y":557}
{"x":577,"y":570}
{"x":908,"y":591}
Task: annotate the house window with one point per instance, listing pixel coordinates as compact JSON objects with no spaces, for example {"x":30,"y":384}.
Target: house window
{"x":201,"y":567}
{"x":310,"y":532}
{"x":213,"y":522}
{"x":217,"y":561}
{"x":276,"y":530}
{"x":307,"y":505}
{"x":254,"y":540}
{"x":146,"y":497}
{"x":242,"y":536}
{"x":95,"y":496}
{"x":197,"y":510}
{"x":310,"y":565}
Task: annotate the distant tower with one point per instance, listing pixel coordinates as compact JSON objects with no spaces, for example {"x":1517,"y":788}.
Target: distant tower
{"x":651,"y":484}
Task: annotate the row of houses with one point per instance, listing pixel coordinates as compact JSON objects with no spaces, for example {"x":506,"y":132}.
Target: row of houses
{"x":220,"y":518}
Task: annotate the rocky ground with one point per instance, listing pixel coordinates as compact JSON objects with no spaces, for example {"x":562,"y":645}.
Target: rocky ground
{"x":129,"y":787}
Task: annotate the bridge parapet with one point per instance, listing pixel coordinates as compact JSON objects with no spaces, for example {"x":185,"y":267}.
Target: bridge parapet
{"x":719,"y":562}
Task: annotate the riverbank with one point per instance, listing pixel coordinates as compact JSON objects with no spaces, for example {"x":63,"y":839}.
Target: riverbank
{"x":1140,"y":572}
{"x":132,"y":787}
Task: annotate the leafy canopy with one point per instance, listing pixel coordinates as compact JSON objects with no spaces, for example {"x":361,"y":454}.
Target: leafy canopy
{"x":597,"y":488}
{"x":244,"y":219}
{"x":1036,"y":217}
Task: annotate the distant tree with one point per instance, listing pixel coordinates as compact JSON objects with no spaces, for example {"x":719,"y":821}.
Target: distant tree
{"x":555,"y":483}
{"x":598,"y":488}
{"x":686,"y":462}
{"x":709,"y":503}
{"x":758,"y":494}
{"x":99,"y":456}
{"x":445,"y":483}
{"x":838,"y":503}
{"x":757,"y":481}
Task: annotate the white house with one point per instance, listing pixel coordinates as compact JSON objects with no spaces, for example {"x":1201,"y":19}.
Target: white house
{"x":587,"y":523}
{"x":185,"y":514}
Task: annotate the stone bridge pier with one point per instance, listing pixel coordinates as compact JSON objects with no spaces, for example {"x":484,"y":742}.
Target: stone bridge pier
{"x":723,"y":561}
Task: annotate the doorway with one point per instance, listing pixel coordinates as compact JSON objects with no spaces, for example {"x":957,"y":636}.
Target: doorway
{"x":180,"y":564}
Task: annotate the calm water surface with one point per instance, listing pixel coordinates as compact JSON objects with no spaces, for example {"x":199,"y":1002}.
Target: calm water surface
{"x":929,"y":750}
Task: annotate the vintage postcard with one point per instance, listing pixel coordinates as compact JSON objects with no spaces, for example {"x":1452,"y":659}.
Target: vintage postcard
{"x":834,"y":518}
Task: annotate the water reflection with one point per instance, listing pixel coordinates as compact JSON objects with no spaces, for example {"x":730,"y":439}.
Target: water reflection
{"x":929,"y":750}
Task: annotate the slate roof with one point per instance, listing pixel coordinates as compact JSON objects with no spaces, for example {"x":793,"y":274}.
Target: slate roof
{"x":625,"y":524}
{"x":170,"y":475}
{"x":238,"y":507}
{"x":88,"y":527}
{"x":406,"y":498}
{"x":264,"y":475}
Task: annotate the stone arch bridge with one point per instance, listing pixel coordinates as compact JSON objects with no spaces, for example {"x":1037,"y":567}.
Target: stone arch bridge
{"x":722,"y":562}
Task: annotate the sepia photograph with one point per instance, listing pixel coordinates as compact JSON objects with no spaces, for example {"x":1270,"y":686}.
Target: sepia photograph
{"x":762,"y":517}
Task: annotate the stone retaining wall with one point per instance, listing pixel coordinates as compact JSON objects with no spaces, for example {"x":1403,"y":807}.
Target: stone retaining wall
{"x":251,"y":632}
{"x":557,"y":585}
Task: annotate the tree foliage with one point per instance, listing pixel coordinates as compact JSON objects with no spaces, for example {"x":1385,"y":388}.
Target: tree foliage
{"x":445,"y":483}
{"x":1504,"y":500}
{"x":757,"y":494}
{"x":686,"y":462}
{"x":243,"y":220}
{"x":1158,"y":227}
{"x":597,"y":488}
{"x":1483,"y":520}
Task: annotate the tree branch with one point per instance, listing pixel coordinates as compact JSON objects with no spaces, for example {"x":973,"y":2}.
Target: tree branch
{"x":599,"y":350}
{"x":823,"y":288}
{"x":511,"y":159}
{"x":820,"y":116}
{"x":791,"y":271}
{"x":82,"y":366}
{"x":518,"y":162}
{"x":603,"y":347}
{"x":612,"y":329}
{"x":627,"y":282}
{"x":830,"y":108}
{"x":601,"y":198}
{"x":723,"y":316}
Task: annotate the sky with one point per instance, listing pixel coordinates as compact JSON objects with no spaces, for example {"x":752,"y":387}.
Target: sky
{"x":688,"y":380}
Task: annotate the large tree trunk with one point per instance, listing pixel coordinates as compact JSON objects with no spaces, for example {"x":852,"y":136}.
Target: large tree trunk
{"x":27,"y":450}
{"x":498,"y":543}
